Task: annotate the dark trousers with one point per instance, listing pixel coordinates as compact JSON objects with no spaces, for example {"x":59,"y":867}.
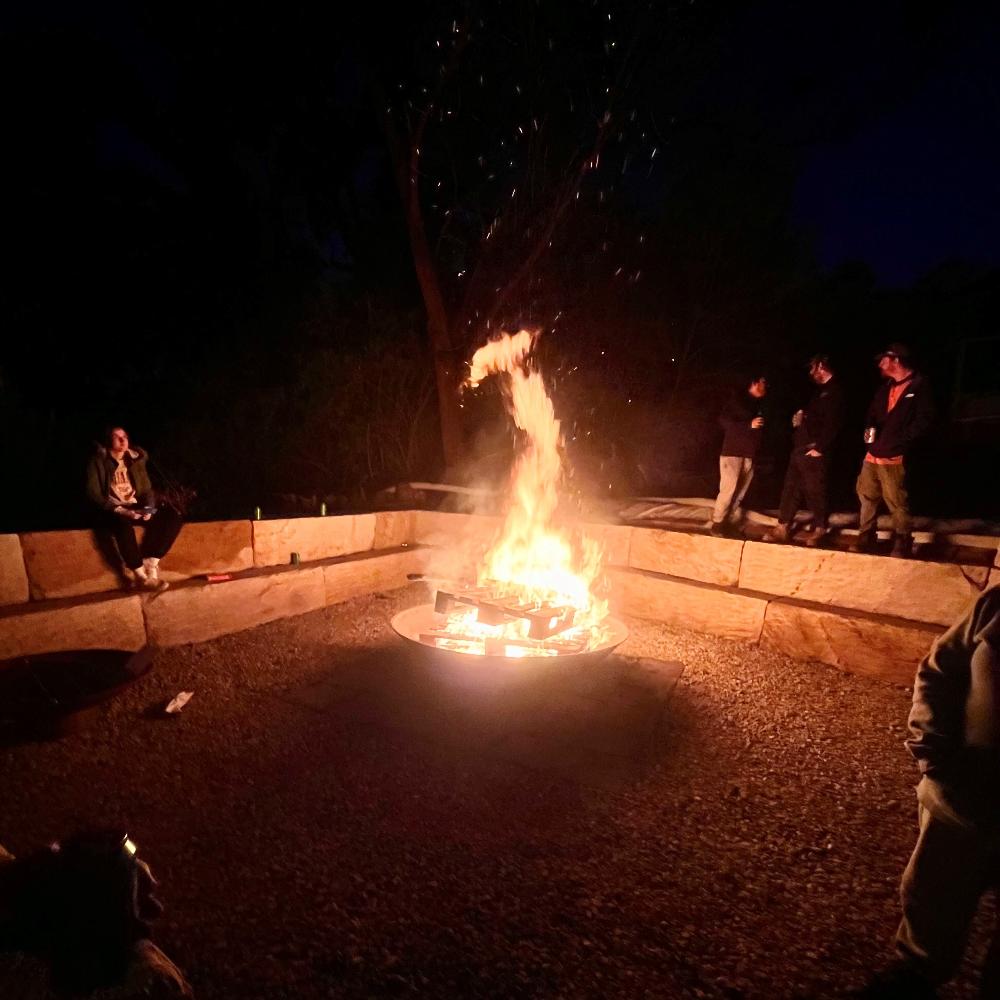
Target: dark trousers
{"x":161,"y":530}
{"x":806,"y":477}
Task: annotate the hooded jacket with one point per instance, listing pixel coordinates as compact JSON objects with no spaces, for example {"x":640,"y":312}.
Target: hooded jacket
{"x":955,"y":719}
{"x":101,"y":469}
{"x":896,"y":430}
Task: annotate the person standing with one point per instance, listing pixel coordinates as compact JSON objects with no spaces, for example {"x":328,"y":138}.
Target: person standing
{"x":955,"y":738}
{"x":118,"y":486}
{"x":742,"y":421}
{"x":900,"y":413}
{"x":815,"y":432}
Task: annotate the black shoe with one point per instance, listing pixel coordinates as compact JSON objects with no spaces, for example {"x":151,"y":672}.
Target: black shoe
{"x":902,"y":546}
{"x":865,"y":542}
{"x":898,"y":982}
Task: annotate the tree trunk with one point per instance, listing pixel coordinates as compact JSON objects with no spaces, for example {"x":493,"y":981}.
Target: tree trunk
{"x":445,"y":353}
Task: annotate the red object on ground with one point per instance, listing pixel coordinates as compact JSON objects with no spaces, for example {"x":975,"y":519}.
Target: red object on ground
{"x":218,"y":577}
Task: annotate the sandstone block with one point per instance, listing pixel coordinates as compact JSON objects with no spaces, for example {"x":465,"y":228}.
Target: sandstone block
{"x":312,"y":537}
{"x":356,"y":577}
{"x":111,"y":623}
{"x":209,"y":547}
{"x":393,"y":528}
{"x":903,"y":588}
{"x":693,"y":557}
{"x":614,"y":538}
{"x":66,"y":564}
{"x":689,"y":605}
{"x":198,"y":612}
{"x":13,"y":578}
{"x":438,"y":527}
{"x":876,"y":645}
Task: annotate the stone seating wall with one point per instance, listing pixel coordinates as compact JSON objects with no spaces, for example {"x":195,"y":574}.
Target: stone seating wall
{"x":866,"y":614}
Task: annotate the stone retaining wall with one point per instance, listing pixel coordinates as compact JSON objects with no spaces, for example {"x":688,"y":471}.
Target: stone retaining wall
{"x":863,"y":613}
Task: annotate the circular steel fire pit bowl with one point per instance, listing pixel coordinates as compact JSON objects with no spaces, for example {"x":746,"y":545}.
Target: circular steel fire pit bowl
{"x":410,"y":624}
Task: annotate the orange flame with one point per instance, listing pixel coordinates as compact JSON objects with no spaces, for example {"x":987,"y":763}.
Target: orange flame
{"x":534,"y":560}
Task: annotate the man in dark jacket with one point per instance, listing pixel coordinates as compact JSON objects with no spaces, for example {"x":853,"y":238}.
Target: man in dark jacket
{"x":955,"y":738}
{"x":901,"y":412}
{"x":815,"y":431}
{"x":121,"y":494}
{"x":742,"y":421}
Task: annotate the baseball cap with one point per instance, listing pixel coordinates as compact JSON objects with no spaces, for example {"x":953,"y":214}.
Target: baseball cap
{"x":895,"y":350}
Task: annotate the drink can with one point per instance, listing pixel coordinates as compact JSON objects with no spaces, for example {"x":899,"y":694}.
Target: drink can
{"x":256,"y":513}
{"x":869,"y":435}
{"x":322,"y":509}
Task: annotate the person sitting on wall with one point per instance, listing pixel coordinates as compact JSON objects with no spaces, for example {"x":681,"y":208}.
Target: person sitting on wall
{"x":742,"y":422}
{"x":118,"y":486}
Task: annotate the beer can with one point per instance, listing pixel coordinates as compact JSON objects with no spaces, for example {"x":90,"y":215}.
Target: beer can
{"x":296,"y":559}
{"x":869,"y":435}
{"x":322,"y":509}
{"x":256,"y":513}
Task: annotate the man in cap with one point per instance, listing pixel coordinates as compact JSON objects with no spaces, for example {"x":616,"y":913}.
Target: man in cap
{"x":815,"y":431}
{"x":899,"y":415}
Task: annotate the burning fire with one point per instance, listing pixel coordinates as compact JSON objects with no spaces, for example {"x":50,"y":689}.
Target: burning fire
{"x":536,"y":567}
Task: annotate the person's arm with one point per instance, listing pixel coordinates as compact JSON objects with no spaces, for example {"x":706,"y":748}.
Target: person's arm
{"x":96,"y":493}
{"x":144,"y":494}
{"x":940,"y":689}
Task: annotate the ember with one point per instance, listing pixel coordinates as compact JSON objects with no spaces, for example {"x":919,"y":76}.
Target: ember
{"x":538,"y":588}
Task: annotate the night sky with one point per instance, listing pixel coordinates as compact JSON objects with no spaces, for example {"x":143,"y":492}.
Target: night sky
{"x":202,"y":218}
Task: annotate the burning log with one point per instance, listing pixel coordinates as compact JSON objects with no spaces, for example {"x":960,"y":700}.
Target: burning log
{"x":544,"y":620}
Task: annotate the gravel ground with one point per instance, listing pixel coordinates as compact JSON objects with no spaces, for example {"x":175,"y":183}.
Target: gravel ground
{"x":307,"y":853}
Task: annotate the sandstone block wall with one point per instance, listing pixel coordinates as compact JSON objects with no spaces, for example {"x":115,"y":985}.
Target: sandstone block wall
{"x":13,"y":578}
{"x":105,"y":623}
{"x":862,"y":613}
{"x":905,"y":588}
{"x":311,"y":537}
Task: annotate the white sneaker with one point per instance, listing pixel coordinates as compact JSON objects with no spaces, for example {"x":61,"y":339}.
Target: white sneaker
{"x":152,"y":567}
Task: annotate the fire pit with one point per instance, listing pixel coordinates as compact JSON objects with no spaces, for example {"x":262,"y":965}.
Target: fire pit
{"x":424,"y":627}
{"x":539,"y":594}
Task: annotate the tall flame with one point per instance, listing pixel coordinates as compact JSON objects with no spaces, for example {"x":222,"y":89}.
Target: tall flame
{"x":534,"y":559}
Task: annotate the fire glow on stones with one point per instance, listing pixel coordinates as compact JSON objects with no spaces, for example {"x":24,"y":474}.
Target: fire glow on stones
{"x":537,"y":588}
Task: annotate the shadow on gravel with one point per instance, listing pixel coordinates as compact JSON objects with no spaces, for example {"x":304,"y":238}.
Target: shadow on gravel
{"x":602,"y":724}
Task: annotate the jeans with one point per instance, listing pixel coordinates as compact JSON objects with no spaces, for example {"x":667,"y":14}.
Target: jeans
{"x":805,"y":477}
{"x":735,"y":476}
{"x":888,"y":483}
{"x":161,"y":530}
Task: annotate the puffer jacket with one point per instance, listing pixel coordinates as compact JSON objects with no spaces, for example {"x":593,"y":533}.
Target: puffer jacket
{"x":101,"y":468}
{"x":955,"y":718}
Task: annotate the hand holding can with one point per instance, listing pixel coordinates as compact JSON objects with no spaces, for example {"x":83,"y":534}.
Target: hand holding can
{"x":869,"y":435}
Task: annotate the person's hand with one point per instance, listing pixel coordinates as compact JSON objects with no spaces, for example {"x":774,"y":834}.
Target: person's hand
{"x":813,"y":453}
{"x":146,"y":516}
{"x":757,"y":423}
{"x":797,"y":417}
